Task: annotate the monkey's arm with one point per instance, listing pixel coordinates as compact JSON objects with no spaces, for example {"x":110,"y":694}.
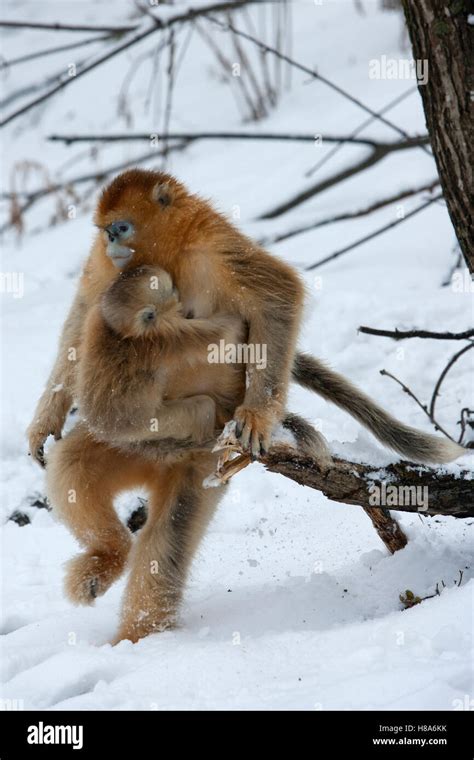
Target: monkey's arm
{"x":57,"y":397}
{"x":270,"y":298}
{"x":193,"y":338}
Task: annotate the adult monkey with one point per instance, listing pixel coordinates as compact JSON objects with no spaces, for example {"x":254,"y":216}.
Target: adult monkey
{"x":148,"y":218}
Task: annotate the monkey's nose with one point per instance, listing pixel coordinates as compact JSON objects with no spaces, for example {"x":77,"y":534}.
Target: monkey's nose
{"x":148,"y":315}
{"x":120,"y":230}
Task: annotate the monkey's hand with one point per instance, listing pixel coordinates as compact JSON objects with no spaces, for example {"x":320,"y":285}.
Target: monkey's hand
{"x":254,"y":428}
{"x":49,"y":419}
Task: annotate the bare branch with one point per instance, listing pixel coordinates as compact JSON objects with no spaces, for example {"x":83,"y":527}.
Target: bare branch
{"x":314,"y":74}
{"x":237,"y":84}
{"x":377,"y":153}
{"x":423,"y":407}
{"x":402,"y":334}
{"x":132,"y":37}
{"x":58,"y":27}
{"x":360,"y":128}
{"x":443,"y":376}
{"x":291,"y":137}
{"x":51,"y":51}
{"x":374,"y":234}
{"x":96,"y":176}
{"x":351,"y":214}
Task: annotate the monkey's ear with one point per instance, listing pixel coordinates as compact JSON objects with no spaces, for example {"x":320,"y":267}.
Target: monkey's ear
{"x":162,"y":194}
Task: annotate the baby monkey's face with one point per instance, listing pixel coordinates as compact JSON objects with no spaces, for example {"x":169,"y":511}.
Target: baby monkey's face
{"x":137,"y":301}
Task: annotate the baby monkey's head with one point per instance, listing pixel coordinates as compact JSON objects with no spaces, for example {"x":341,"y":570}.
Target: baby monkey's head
{"x":138,"y":301}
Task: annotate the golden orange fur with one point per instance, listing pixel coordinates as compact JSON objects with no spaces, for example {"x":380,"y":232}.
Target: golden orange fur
{"x":142,"y":360}
{"x":217,"y":271}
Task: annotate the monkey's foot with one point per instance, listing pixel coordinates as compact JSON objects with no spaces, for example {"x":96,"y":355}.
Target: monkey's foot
{"x":89,"y":575}
{"x":134,"y":631}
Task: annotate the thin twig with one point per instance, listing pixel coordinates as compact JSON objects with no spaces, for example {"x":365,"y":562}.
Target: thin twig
{"x":269,"y":49}
{"x":134,"y":36}
{"x":57,"y":27}
{"x":96,"y":176}
{"x":402,"y":334}
{"x":258,"y":102}
{"x":374,"y":234}
{"x":443,"y":375}
{"x":270,"y":92}
{"x":237,"y":84}
{"x":377,"y":153}
{"x":367,"y":122}
{"x":454,"y":267}
{"x":464,"y":421}
{"x":51,"y":51}
{"x":122,"y":99}
{"x":407,"y":390}
{"x":169,"y":90}
{"x":351,"y":214}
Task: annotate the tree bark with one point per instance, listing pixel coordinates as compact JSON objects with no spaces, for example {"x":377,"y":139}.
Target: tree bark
{"x":355,"y":483}
{"x":440,"y":34}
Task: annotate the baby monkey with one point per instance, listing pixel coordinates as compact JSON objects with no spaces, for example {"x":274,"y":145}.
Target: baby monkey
{"x":144,"y":373}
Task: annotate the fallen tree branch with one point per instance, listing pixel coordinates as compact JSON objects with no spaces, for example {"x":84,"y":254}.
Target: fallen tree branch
{"x":399,"y":484}
{"x":351,"y":214}
{"x":387,"y":528}
{"x":402,"y":334}
{"x":373,"y":234}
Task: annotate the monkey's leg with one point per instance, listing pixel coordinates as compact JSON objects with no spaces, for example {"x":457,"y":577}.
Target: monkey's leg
{"x":83,"y":476}
{"x":179,"y":512}
{"x":193,"y":417}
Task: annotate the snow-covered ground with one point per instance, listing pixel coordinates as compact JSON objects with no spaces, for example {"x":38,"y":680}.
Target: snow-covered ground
{"x":293,"y":601}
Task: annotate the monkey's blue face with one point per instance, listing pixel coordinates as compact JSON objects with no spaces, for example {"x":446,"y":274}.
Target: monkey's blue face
{"x":117,"y":234}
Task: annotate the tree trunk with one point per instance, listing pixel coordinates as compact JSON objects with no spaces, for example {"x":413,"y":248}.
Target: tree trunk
{"x":440,"y":34}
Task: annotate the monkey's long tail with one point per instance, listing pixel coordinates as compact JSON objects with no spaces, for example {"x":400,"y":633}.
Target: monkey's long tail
{"x":411,"y":443}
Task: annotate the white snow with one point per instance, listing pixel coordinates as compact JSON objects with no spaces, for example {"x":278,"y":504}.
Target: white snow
{"x":293,"y":601}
